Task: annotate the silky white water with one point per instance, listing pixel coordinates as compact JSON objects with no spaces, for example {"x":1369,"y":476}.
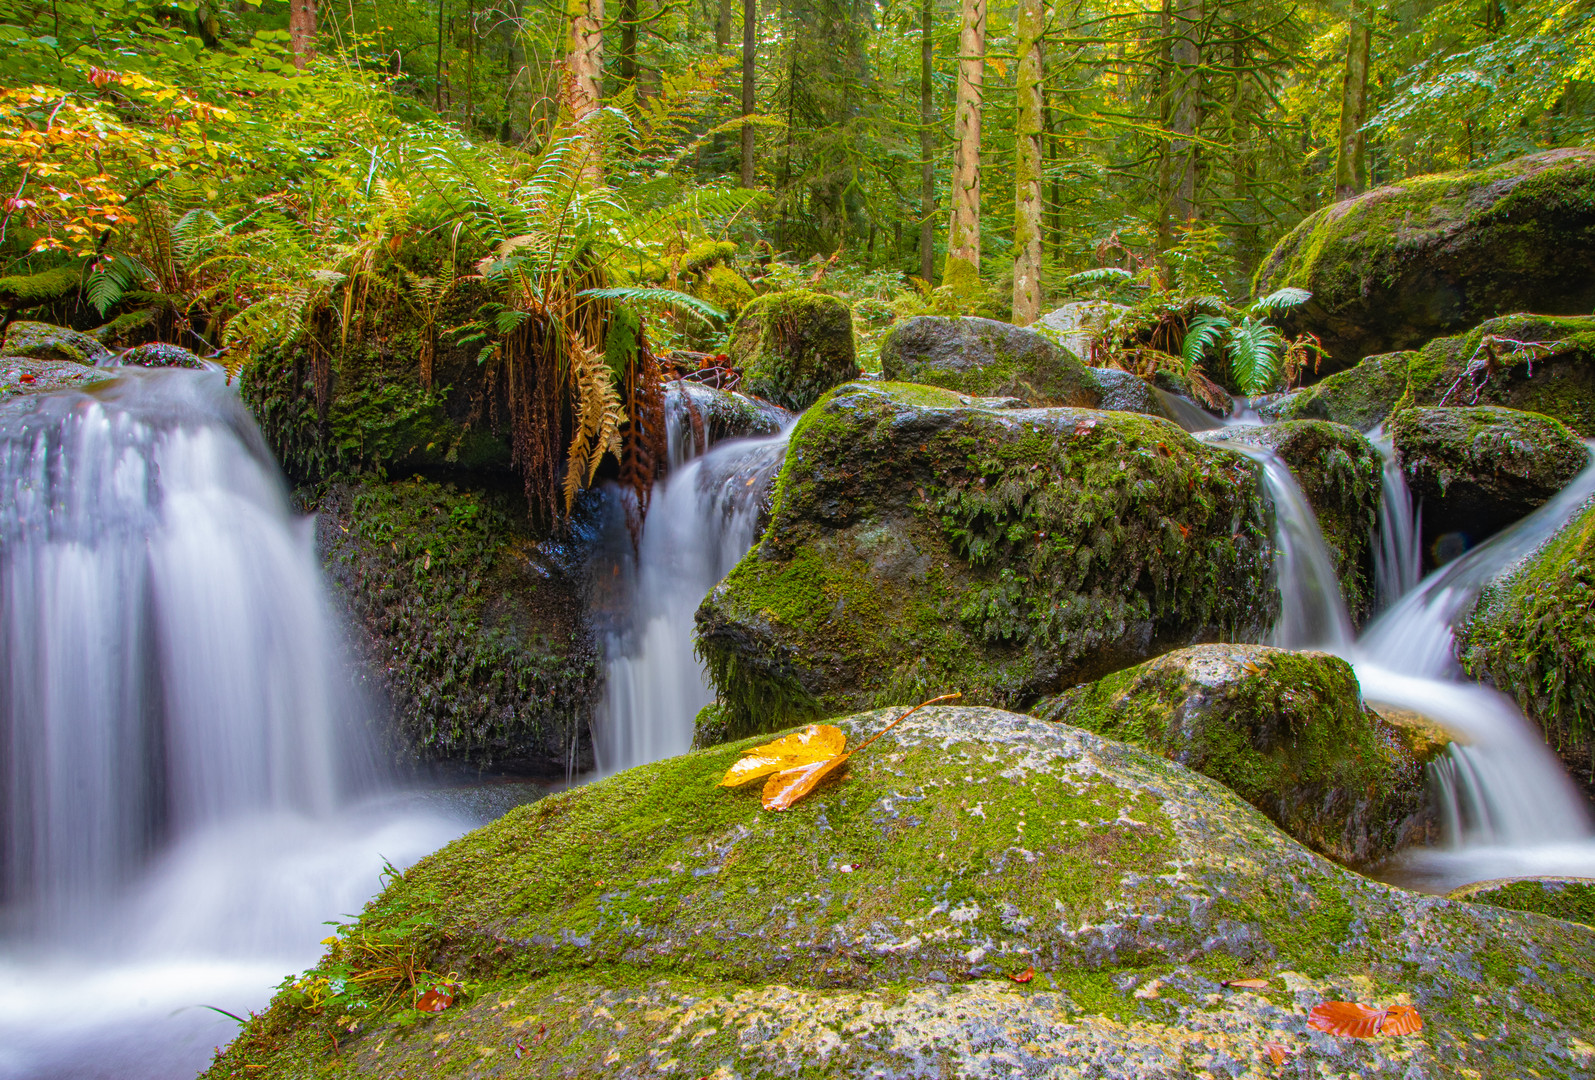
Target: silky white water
{"x":187,"y":787}
{"x":703,"y":518}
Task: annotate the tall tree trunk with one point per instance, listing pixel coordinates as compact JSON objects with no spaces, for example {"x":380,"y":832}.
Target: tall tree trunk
{"x":722,"y":25}
{"x":586,"y":70}
{"x":628,"y":43}
{"x":1351,"y":172}
{"x":302,"y":31}
{"x":927,"y":147}
{"x":963,"y":235}
{"x":437,"y":74}
{"x":750,"y":38}
{"x":1185,"y":113}
{"x":1027,"y":165}
{"x":1054,"y":209}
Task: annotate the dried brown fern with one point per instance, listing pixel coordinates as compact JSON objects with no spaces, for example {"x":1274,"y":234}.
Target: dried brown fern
{"x":645,"y":445}
{"x":598,"y":417}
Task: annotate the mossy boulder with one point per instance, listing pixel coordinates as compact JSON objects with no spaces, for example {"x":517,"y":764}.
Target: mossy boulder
{"x":794,"y":346}
{"x":1476,"y":470}
{"x":1080,"y":322}
{"x":159,"y":354}
{"x":653,"y":924}
{"x":1432,"y":255}
{"x":1532,"y":634}
{"x":921,"y":541}
{"x":986,"y":358}
{"x":1569,"y":898}
{"x":470,"y":628}
{"x":45,"y":341}
{"x":1339,"y":471}
{"x":707,"y":415}
{"x":1286,"y":731}
{"x":1536,"y":363}
{"x":1124,"y":391}
{"x":25,"y":375}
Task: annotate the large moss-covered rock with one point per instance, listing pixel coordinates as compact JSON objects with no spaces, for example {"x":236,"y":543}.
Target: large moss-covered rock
{"x":470,"y":629}
{"x":653,"y":924}
{"x":1286,"y":731}
{"x":1532,"y":634}
{"x":921,"y":542}
{"x":1080,"y":322}
{"x":794,"y":346}
{"x":1397,"y":266}
{"x":329,"y":405}
{"x":25,"y":375}
{"x":1476,"y":470}
{"x":1536,"y":363}
{"x":44,"y":341}
{"x":1569,"y":898}
{"x":986,"y":358}
{"x":1339,"y":471}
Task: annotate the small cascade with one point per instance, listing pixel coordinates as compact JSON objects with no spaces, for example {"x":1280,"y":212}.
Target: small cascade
{"x":704,"y":516}
{"x":1398,"y":555}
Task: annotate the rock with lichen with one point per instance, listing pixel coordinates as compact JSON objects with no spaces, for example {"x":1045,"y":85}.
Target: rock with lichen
{"x":159,"y":354}
{"x":977,"y":894}
{"x":25,"y":375}
{"x":793,"y":346}
{"x":922,"y":541}
{"x":987,"y":358}
{"x":1395,"y":267}
{"x":1286,"y":731}
{"x":1570,"y":898}
{"x":1339,"y":471}
{"x":1537,"y":363}
{"x":1473,"y":471}
{"x":44,"y":341}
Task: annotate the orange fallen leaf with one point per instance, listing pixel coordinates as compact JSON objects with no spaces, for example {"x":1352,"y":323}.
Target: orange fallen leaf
{"x":1024,"y":976}
{"x":1359,"y":1021}
{"x":1276,"y":1052}
{"x":801,"y":760}
{"x":437,"y":999}
{"x":1248,"y":984}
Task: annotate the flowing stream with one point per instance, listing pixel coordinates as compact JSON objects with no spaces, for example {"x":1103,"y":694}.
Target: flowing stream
{"x":703,"y":518}
{"x":186,"y":784}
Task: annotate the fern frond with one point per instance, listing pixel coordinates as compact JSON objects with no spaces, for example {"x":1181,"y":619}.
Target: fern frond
{"x":1205,"y":333}
{"x":599,"y":414}
{"x":1102,"y":275}
{"x":650,"y":298}
{"x":1280,"y":300}
{"x":113,"y":277}
{"x":1254,"y":354}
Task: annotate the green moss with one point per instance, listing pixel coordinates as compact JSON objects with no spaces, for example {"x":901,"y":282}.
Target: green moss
{"x":726,"y":289}
{"x":793,"y":346}
{"x":27,"y":290}
{"x":998,"y":553}
{"x":481,"y":656}
{"x":986,"y":358}
{"x":1572,"y":899}
{"x":45,"y":341}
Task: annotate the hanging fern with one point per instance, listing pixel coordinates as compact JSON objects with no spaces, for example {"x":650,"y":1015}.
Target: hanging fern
{"x":598,"y":418}
{"x":654,"y":297}
{"x":1279,"y":301}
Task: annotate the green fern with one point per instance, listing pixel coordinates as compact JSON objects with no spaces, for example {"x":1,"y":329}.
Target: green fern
{"x":1206,"y":333}
{"x":1280,"y":300}
{"x":653,"y":298}
{"x":1254,"y":349}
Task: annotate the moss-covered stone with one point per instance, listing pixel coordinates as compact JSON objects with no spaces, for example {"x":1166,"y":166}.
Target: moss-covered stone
{"x":710,"y":414}
{"x":30,"y":289}
{"x":1567,"y":898}
{"x":159,"y":354}
{"x":1079,"y":322}
{"x":44,"y":341}
{"x":1432,"y":255}
{"x":794,"y":346}
{"x":1339,"y":471}
{"x":1532,"y":634}
{"x":1286,"y":731}
{"x":25,"y":375}
{"x":922,"y":542}
{"x":471,"y":629}
{"x":653,"y":924}
{"x":1551,"y":372}
{"x":1476,"y":470}
{"x":986,"y":358}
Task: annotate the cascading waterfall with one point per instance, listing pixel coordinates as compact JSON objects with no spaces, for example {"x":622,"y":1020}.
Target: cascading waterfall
{"x":180,"y":742}
{"x":703,"y":518}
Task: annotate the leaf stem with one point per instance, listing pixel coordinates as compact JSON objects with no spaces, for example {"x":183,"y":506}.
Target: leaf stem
{"x":945,"y":697}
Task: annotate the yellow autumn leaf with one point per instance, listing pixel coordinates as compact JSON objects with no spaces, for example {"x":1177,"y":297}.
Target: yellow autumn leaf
{"x":785,"y":788}
{"x":814,"y":743}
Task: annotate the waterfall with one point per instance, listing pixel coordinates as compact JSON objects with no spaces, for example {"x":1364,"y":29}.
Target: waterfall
{"x":179,"y":743}
{"x":703,"y":518}
{"x":1398,"y":555}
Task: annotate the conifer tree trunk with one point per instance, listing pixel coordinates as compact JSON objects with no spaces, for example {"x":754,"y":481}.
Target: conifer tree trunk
{"x":302,"y":31}
{"x":927,"y":146}
{"x":586,"y":68}
{"x":750,"y":24}
{"x":963,"y":236}
{"x":722,"y":25}
{"x":628,"y":43}
{"x":1351,"y":171}
{"x":1027,"y":165}
{"x":1185,"y":116}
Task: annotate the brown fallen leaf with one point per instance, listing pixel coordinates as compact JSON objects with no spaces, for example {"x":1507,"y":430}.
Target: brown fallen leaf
{"x":1024,"y":976}
{"x":438,"y":998}
{"x":1248,"y":984}
{"x":1357,"y":1021}
{"x":801,"y":760}
{"x":1275,"y":1052}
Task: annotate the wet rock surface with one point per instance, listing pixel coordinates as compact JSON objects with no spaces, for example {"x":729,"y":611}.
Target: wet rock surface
{"x":45,"y":341}
{"x":1570,"y":898}
{"x":708,"y":414}
{"x":653,"y":924}
{"x":987,"y":358}
{"x":1339,"y":473}
{"x":1079,"y":322}
{"x":1399,"y":265}
{"x":922,"y":541}
{"x":793,"y":346}
{"x":1287,"y":731}
{"x":25,"y":375}
{"x":1474,"y":471}
{"x":159,"y":354}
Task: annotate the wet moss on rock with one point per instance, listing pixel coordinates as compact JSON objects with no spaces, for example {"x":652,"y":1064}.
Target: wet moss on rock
{"x":987,"y":358}
{"x":921,"y":541}
{"x":45,"y":341}
{"x":1567,"y":898}
{"x":471,"y":627}
{"x":22,"y":375}
{"x":1432,"y":255}
{"x":1340,"y":473}
{"x":1286,"y":731}
{"x":653,"y":924}
{"x":794,"y":346}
